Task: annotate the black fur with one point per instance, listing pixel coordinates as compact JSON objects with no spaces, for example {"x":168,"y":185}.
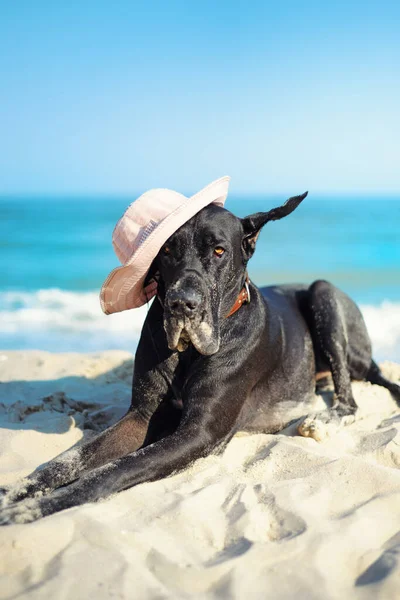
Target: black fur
{"x":200,"y":377}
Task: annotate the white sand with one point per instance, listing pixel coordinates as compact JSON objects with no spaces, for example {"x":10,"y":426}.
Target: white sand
{"x":276,"y":516}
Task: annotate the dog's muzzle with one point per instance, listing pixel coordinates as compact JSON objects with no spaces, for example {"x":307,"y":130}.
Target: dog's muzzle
{"x":183,"y":303}
{"x":187,"y":319}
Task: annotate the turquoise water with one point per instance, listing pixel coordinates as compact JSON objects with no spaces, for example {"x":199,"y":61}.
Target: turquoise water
{"x":56,"y":252}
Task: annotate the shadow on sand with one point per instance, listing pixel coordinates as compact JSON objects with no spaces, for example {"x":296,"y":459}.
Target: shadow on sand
{"x":92,"y":403}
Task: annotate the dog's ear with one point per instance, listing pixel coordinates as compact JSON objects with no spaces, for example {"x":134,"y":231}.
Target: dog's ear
{"x":253,"y":223}
{"x":151,"y":274}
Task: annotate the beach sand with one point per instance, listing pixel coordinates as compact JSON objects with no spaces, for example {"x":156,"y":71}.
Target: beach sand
{"x":275,"y":516}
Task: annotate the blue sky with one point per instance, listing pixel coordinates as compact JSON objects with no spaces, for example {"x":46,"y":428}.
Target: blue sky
{"x":118,"y":97}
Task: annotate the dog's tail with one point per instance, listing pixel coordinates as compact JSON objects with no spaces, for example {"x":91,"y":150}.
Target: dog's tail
{"x":374,"y":375}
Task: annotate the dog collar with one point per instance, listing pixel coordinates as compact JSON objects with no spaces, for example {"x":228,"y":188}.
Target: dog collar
{"x":243,"y":297}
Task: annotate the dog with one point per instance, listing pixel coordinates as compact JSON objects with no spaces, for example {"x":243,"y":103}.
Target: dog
{"x":216,"y":356}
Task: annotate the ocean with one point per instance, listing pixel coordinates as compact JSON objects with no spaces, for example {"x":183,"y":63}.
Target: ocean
{"x":56,"y":252}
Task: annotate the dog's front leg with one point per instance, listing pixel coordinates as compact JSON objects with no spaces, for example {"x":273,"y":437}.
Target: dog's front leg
{"x":122,"y":438}
{"x":150,"y":387}
{"x":208,"y":421}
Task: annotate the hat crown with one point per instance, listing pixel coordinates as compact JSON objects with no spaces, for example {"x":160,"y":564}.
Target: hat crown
{"x":141,"y":218}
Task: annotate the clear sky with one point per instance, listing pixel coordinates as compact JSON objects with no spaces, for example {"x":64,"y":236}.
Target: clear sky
{"x":121,"y":96}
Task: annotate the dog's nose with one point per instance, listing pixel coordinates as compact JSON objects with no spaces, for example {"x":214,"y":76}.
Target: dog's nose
{"x":184,"y":302}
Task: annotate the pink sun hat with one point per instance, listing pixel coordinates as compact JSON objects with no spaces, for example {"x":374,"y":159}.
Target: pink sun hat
{"x":139,"y":235}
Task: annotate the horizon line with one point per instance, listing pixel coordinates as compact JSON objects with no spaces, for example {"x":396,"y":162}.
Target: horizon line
{"x":60,"y":195}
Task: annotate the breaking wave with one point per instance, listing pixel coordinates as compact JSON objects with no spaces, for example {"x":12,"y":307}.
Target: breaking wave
{"x":66,"y":321}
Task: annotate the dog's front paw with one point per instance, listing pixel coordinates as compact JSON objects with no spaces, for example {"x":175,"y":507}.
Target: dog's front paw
{"x":7,"y":495}
{"x":3,"y":493}
{"x":31,"y":509}
{"x":18,"y":491}
{"x":23,"y":512}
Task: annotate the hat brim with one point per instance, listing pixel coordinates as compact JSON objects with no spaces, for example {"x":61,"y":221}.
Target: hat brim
{"x":124,"y":287}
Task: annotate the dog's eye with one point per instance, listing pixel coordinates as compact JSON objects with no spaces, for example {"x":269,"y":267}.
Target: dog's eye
{"x":218,"y":251}
{"x":166,"y":250}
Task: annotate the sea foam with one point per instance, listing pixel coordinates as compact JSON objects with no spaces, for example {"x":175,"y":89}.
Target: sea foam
{"x":65,"y":321}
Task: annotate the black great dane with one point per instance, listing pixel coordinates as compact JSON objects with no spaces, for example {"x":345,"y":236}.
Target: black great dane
{"x":216,"y":355}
